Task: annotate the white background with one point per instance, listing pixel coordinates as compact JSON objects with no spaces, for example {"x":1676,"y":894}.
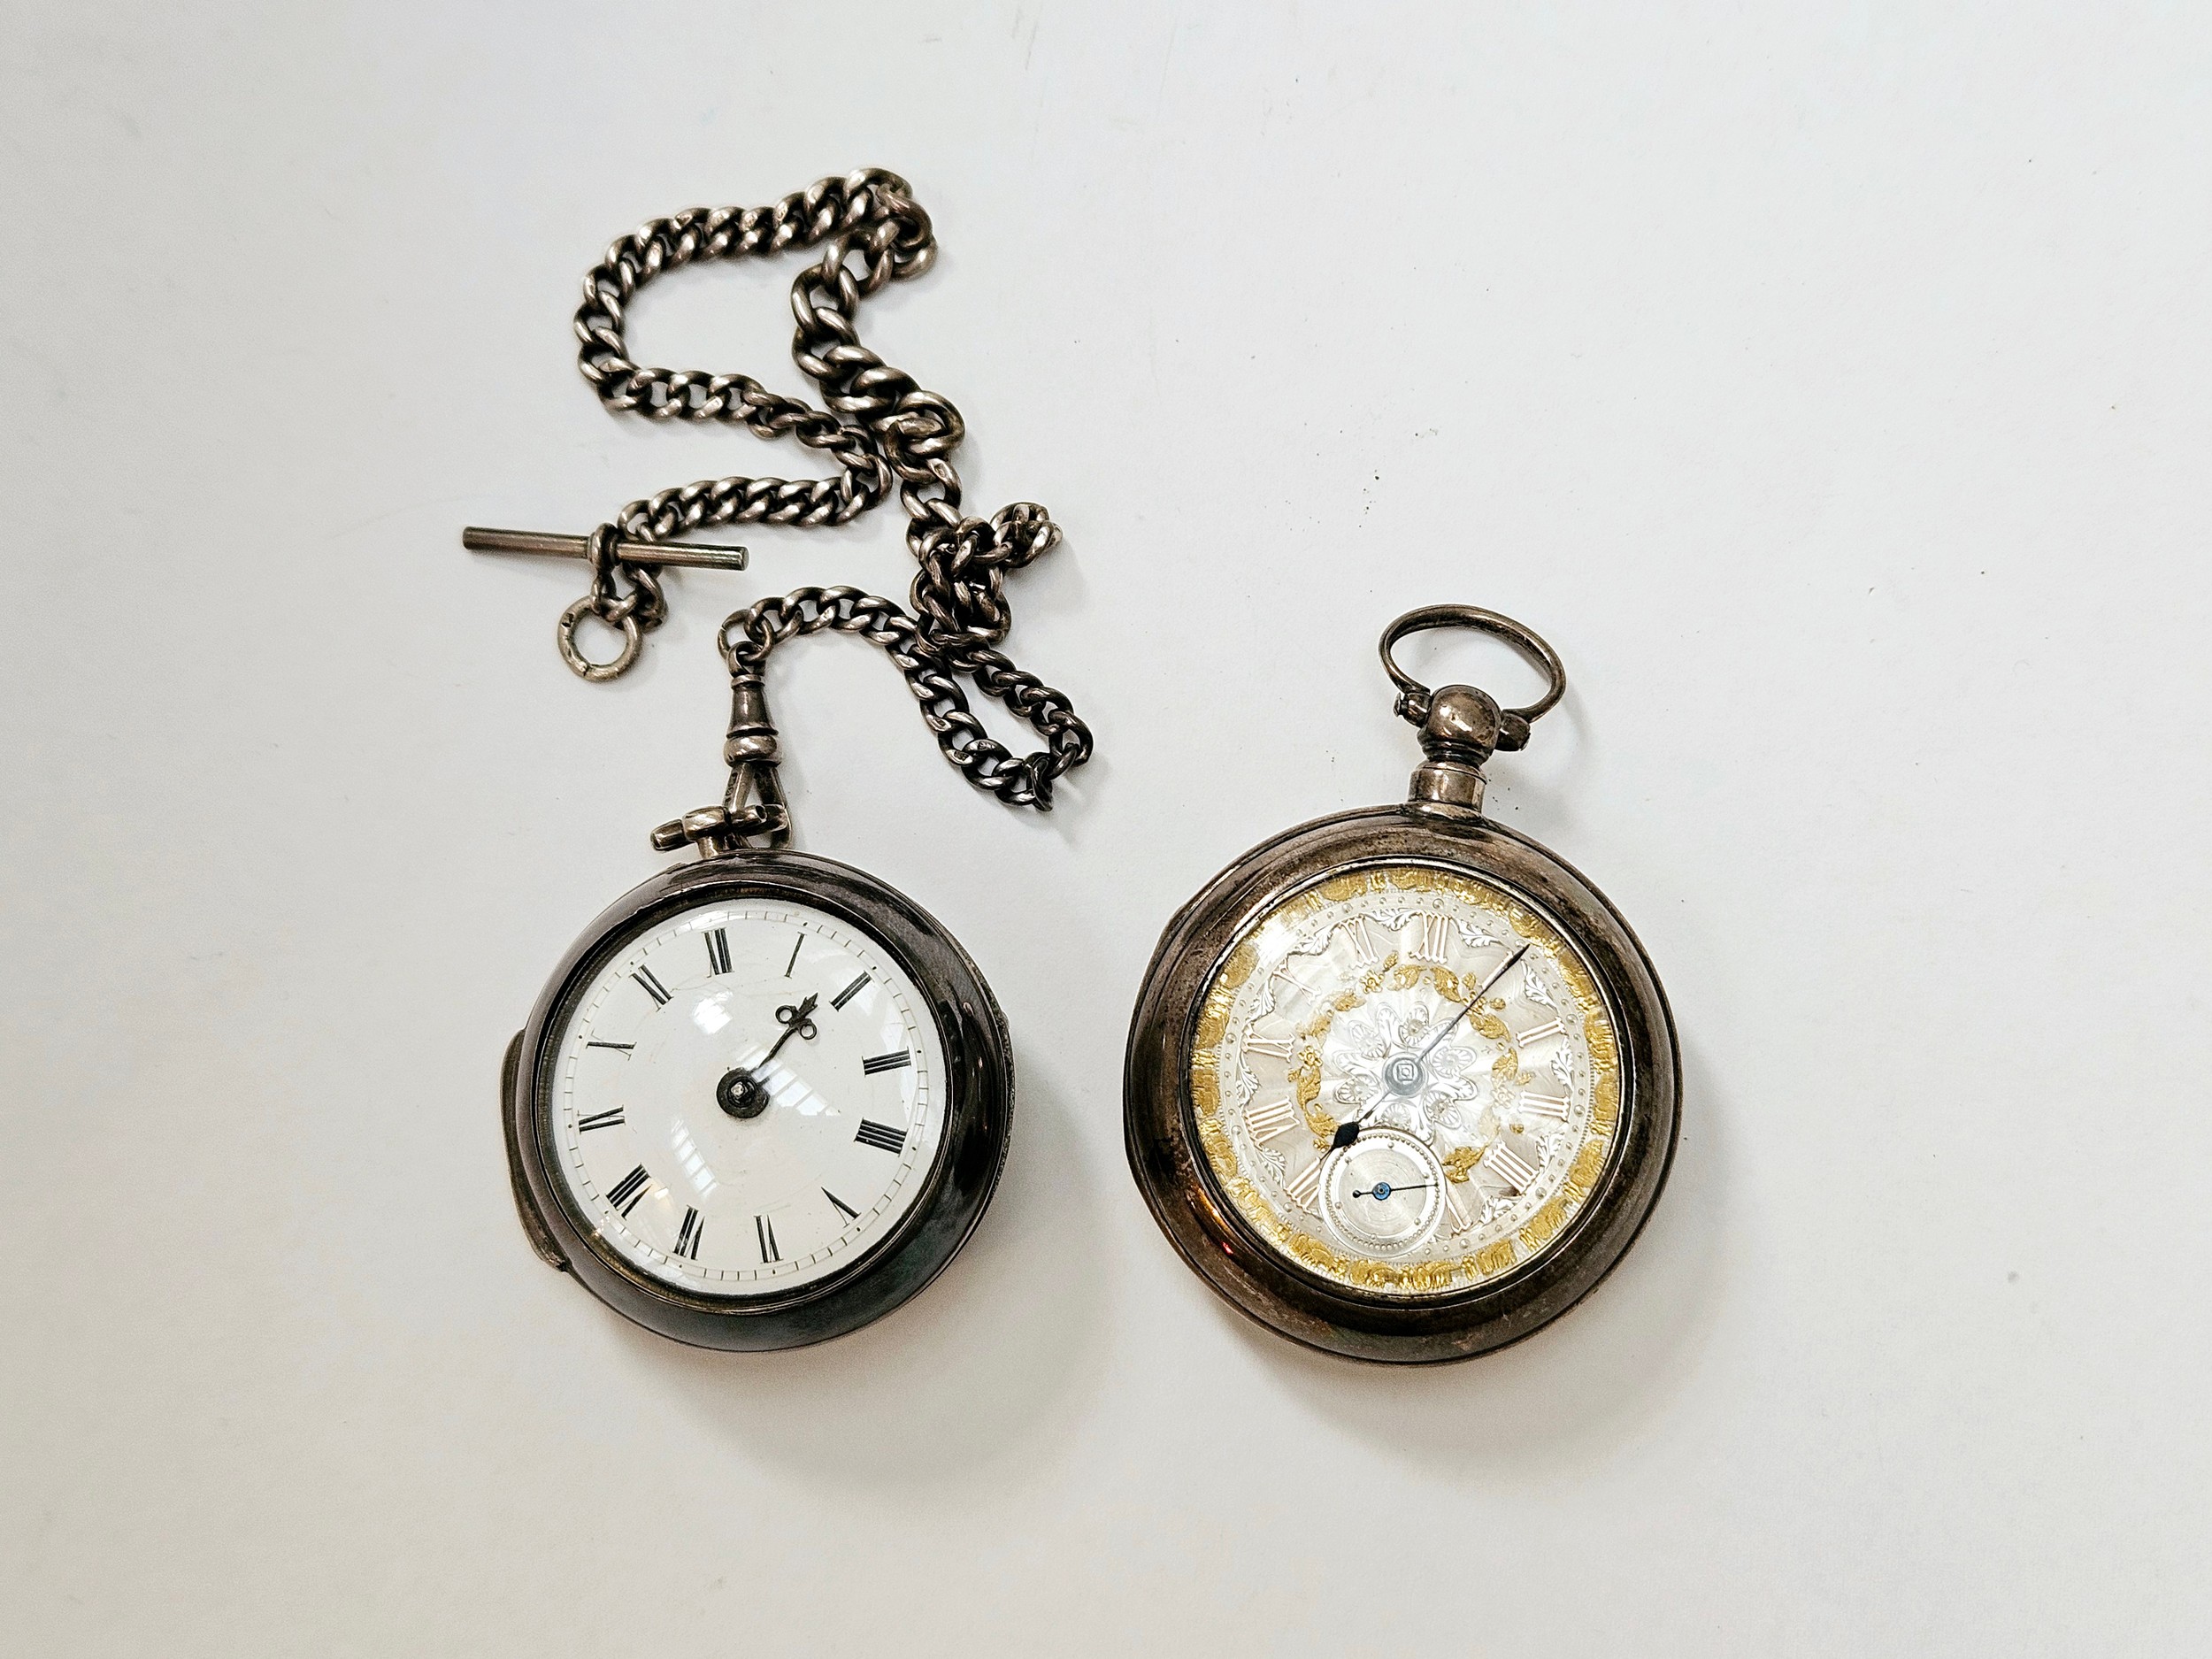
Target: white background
{"x":1832,"y":386}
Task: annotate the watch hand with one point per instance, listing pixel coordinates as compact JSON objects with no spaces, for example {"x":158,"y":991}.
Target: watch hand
{"x":740,"y":1092}
{"x":1468,"y":1006}
{"x":1383,"y":1189}
{"x":795,"y":1022}
{"x":1348,"y":1130}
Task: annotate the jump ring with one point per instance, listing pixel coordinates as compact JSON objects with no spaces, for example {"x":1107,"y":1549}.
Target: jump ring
{"x":633,"y":639}
{"x":1413,"y":694}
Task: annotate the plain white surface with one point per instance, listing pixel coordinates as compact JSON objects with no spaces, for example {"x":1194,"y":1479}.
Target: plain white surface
{"x":1830,"y":386}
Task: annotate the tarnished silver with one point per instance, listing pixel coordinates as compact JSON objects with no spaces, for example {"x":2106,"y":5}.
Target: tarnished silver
{"x":688,"y":555}
{"x":1441,"y":826}
{"x":882,"y":431}
{"x":1462,"y":727}
{"x":572,"y":654}
{"x":880,"y":428}
{"x":754,"y":814}
{"x":979,"y":1110}
{"x":744,"y":847}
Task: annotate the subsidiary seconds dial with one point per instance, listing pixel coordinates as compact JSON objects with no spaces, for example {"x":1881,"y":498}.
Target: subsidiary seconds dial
{"x":749,"y":1097}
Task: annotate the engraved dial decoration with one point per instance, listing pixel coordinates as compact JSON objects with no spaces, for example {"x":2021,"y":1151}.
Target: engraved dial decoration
{"x":1406,"y":1078}
{"x":747,"y":1097}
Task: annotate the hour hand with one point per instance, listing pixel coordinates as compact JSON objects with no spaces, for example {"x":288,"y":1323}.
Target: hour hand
{"x":742,"y":1093}
{"x":797,"y":1022}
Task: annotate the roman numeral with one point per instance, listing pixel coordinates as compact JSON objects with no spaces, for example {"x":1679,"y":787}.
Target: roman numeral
{"x":619,"y":1048}
{"x":1544,"y":1105}
{"x":1509,"y":1166}
{"x":1461,"y":1222}
{"x":1537,"y":1033}
{"x":718,"y":950}
{"x":765,"y":1231}
{"x":793,"y":962}
{"x":652,"y":986}
{"x":687,"y":1236}
{"x":845,"y":1209}
{"x":629,"y":1189}
{"x":611,"y":1118}
{"x":1268,"y":1046}
{"x":1362,"y":946}
{"x":885,"y":1063}
{"x":1431,"y":940}
{"x":1266,"y":1122}
{"x":1297,"y":987}
{"x":882,"y":1137}
{"x":849,"y":993}
{"x":1302,"y":1186}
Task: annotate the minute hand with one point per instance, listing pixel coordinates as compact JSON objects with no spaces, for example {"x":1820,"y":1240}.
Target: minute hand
{"x":1348,"y":1130}
{"x":1471,"y":1001}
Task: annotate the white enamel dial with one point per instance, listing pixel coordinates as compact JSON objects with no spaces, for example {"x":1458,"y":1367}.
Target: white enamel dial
{"x":747,"y":1097}
{"x":1406,"y":1078}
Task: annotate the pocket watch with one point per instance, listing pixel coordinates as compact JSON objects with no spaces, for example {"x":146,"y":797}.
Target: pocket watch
{"x":765,"y":1097}
{"x":762,"y":1101}
{"x":1401,"y":1084}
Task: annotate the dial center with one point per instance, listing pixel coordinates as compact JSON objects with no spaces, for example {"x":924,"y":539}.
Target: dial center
{"x":1405,"y":1074}
{"x":740,"y":1093}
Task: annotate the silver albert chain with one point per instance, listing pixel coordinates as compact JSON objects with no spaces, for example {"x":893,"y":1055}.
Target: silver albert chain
{"x":878,"y":426}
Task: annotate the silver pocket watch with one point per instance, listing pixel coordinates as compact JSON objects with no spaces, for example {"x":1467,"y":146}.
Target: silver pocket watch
{"x":765,"y":1097}
{"x":1401,"y":1084}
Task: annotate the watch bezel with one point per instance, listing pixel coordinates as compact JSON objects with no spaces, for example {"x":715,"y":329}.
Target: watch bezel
{"x":958,"y":1189}
{"x":1257,"y":1277}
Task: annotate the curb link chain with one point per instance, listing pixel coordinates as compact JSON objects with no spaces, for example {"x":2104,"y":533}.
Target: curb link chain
{"x":880,"y":428}
{"x":750,"y":635}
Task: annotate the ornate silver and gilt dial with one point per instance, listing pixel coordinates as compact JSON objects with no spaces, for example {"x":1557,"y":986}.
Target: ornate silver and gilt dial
{"x":749,"y":1095}
{"x":1406,"y":1078}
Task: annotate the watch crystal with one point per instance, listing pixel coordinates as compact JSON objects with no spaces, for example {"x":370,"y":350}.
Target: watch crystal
{"x":747,"y":1096}
{"x":1406,"y":1078}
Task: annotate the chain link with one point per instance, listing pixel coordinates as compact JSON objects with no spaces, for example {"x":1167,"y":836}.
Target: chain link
{"x":881,"y":429}
{"x":750,"y":635}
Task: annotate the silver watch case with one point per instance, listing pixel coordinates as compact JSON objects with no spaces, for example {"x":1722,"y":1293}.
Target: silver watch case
{"x":979,"y":1111}
{"x":1177,"y":1182}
